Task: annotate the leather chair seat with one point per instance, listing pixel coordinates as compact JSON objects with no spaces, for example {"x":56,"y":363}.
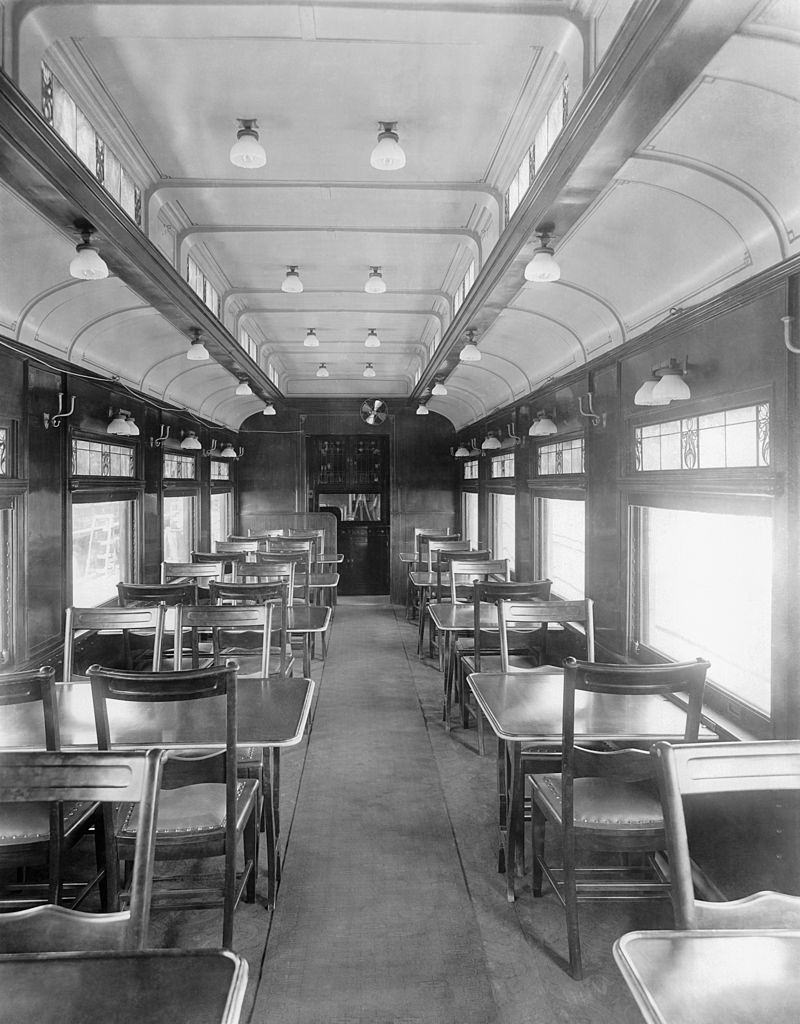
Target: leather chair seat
{"x":200,"y":807}
{"x":29,"y":823}
{"x":604,"y":803}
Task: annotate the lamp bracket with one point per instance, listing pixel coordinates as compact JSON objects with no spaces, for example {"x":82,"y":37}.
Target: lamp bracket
{"x":54,"y":419}
{"x":595,"y":418}
{"x":155,"y":442}
{"x":673,"y":366}
{"x":213,"y":450}
{"x":788,"y":324}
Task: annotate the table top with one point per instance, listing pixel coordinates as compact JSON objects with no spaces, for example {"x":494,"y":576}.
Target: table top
{"x":423,"y":578}
{"x":408,"y":556}
{"x":161,"y":986}
{"x":713,"y":977}
{"x":317,"y":579}
{"x":331,"y":559}
{"x":271,"y":713}
{"x":459,"y":618}
{"x":305,"y":618}
{"x":528,"y":705}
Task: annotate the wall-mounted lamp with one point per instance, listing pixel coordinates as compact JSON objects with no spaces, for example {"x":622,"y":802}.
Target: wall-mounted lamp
{"x":491,"y":442}
{"x":122,"y":422}
{"x":665,"y":384}
{"x":269,"y":410}
{"x":156,"y":442}
{"x":544,"y":425}
{"x":597,"y":419}
{"x":190,"y":442}
{"x":229,"y":452}
{"x":54,"y":419}
{"x":462,"y":452}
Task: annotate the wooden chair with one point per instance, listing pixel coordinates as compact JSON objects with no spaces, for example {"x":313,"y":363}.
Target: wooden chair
{"x":462,"y":568}
{"x":197,"y":572}
{"x":766,"y":768}
{"x":255,"y":594}
{"x":445,"y":552}
{"x":244,"y":546}
{"x":56,"y":780}
{"x":481,"y":651}
{"x":206,"y":557}
{"x":134,"y":595}
{"x":37,"y":834}
{"x":114,"y":620}
{"x":422,"y":536}
{"x":278,"y":560}
{"x":606,"y":800}
{"x":203,"y":807}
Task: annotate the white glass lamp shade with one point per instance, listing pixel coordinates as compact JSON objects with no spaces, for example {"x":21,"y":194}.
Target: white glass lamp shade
{"x":311,"y":340}
{"x":227,"y":452}
{"x":462,"y":452}
{"x":133,"y":429}
{"x":490,"y":443}
{"x":369,"y":370}
{"x":247,"y":151}
{"x":323,"y":371}
{"x":191,"y":442}
{"x":372,"y":340}
{"x":197,"y":351}
{"x":470,"y":353}
{"x":119,"y":425}
{"x":542,"y":426}
{"x":388,"y":155}
{"x":375,"y":285}
{"x":543,"y":266}
{"x":269,"y":410}
{"x":292,"y":283}
{"x":644,"y":396}
{"x":439,"y":389}
{"x":422,"y":409}
{"x":87,"y":264}
{"x":671,"y":388}
{"x":243,"y":389}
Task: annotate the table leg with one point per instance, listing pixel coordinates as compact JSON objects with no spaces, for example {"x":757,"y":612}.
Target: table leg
{"x":515,"y":830}
{"x":502,"y":804}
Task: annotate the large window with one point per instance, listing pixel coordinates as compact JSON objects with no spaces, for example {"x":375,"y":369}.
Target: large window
{"x":7,"y":558}
{"x":561,"y":545}
{"x":179,"y":527}
{"x":469,"y":517}
{"x":102,"y":548}
{"x":502,"y":526}
{"x":702,"y":589}
{"x":221,"y":516}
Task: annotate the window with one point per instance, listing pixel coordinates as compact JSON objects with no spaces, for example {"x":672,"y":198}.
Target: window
{"x":502,"y":521}
{"x":502,"y":466}
{"x":248,"y":344}
{"x":561,"y":545}
{"x":220,"y":469}
{"x":221,"y":516}
{"x":201,"y":286}
{"x":694,"y":569}
{"x":724,"y":439}
{"x":100,"y":459}
{"x":461,"y":293}
{"x":4,"y":469}
{"x":7,"y":570}
{"x":179,"y":527}
{"x":179,"y":467}
{"x":469,"y":517}
{"x":471,"y":469}
{"x":560,"y":458}
{"x":102,"y":548}
{"x":533,"y":159}
{"x":67,"y":119}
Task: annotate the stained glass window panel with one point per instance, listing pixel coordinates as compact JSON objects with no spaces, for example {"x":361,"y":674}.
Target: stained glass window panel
{"x":98,"y":458}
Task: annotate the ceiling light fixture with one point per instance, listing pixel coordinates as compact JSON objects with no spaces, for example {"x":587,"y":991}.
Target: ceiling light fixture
{"x":369,"y":370}
{"x":491,"y":442}
{"x":292,"y":282}
{"x":375,"y":284}
{"x":247,"y":151}
{"x":269,"y":410}
{"x":190,"y":442}
{"x":470,"y":353}
{"x":372,"y":340}
{"x":243,"y":389}
{"x":664,"y":385}
{"x":388,"y":155}
{"x":196,"y":350}
{"x":311,"y":340}
{"x":543,"y":425}
{"x":422,"y":409}
{"x":439,"y":389}
{"x":543,"y":266}
{"x":322,"y":371}
{"x":88,"y":264}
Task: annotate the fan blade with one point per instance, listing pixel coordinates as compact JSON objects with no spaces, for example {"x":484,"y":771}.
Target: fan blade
{"x":371,"y":419}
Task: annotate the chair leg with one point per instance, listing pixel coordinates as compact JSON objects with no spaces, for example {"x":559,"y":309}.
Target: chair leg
{"x":423,"y":606}
{"x":250,"y":839}
{"x":571,"y":909}
{"x":538,"y":834}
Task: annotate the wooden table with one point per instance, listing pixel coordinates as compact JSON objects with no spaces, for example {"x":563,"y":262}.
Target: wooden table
{"x":526,"y":707}
{"x":453,"y":621}
{"x":309,"y":620}
{"x":713,"y":977}
{"x":271,"y":713}
{"x":159,"y":986}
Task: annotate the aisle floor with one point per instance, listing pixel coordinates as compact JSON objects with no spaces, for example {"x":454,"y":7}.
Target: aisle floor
{"x":390,"y":907}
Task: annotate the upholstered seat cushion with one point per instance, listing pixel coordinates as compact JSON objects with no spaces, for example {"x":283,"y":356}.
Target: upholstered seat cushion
{"x":600,"y":802}
{"x":29,"y":823}
{"x":197,"y":808}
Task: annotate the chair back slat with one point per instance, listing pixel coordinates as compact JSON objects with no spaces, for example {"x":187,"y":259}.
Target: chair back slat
{"x":423,"y":538}
{"x":227,"y":623}
{"x":200,"y":572}
{"x":109,"y":778}
{"x":695,"y":769}
{"x":525,"y":616}
{"x":437,"y":549}
{"x":130,"y":595}
{"x":465,"y":571}
{"x":31,"y":687}
{"x":113,"y":619}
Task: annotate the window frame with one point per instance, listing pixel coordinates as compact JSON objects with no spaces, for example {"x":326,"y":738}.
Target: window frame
{"x":84,"y":493}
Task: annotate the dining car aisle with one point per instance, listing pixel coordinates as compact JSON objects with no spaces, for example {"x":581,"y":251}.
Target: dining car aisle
{"x":373,"y":922}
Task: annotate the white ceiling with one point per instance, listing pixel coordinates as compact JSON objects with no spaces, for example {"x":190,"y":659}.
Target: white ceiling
{"x":684,"y":186}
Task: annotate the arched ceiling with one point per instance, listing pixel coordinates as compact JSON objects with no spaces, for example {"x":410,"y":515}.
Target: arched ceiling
{"x":674,"y":179}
